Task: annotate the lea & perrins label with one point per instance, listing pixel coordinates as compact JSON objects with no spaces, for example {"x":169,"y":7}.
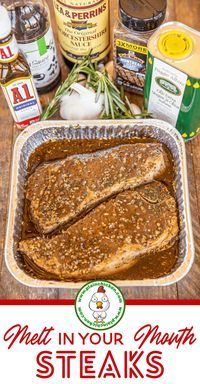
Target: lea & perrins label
{"x":83,"y":27}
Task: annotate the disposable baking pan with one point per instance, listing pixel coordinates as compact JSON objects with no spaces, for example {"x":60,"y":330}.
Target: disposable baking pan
{"x":42,"y":132}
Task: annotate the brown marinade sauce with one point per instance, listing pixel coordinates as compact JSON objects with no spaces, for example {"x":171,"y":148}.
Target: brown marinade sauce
{"x":150,"y":266}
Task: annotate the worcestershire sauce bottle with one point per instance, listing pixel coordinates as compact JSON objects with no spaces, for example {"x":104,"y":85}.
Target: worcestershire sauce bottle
{"x":32,"y":28}
{"x":83,"y":29}
{"x":15,"y":77}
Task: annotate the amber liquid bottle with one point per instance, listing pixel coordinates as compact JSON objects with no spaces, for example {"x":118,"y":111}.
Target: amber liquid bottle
{"x":15,"y":77}
{"x":31,"y":25}
{"x":83,"y":29}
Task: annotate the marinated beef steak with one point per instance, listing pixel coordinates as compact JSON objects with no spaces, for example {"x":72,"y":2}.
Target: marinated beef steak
{"x":109,"y":239}
{"x":60,"y":191}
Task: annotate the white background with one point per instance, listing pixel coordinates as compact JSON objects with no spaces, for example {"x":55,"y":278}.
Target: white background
{"x":18,"y":365}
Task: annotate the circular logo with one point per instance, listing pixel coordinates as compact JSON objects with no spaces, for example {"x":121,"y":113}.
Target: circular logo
{"x":175,"y":44}
{"x":100,"y":305}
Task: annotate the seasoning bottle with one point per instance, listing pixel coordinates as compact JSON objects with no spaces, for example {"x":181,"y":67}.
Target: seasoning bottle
{"x":15,"y":77}
{"x":32,"y":27}
{"x":83,"y":29}
{"x":138,"y":20}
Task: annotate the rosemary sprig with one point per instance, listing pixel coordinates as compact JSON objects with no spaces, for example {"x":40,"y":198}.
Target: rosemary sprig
{"x":116,"y":106}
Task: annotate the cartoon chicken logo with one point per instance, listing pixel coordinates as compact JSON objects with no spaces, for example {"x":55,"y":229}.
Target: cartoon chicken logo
{"x":99,"y":304}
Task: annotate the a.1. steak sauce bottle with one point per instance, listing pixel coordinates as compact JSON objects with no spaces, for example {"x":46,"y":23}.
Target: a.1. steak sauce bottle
{"x":15,"y":77}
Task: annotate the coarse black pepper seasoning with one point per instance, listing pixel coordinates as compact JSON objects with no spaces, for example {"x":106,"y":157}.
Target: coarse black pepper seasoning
{"x":138,"y":20}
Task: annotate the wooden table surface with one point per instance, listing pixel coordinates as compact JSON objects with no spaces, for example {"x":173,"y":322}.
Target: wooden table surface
{"x":186,"y":11}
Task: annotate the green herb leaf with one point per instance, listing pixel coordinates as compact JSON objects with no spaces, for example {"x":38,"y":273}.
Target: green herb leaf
{"x":117,"y":106}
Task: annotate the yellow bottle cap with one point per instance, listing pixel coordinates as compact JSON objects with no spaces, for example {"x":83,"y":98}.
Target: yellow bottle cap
{"x":175,"y":44}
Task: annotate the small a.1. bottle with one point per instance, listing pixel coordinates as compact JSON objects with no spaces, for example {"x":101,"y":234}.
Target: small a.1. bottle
{"x":31,"y":25}
{"x":15,"y":77}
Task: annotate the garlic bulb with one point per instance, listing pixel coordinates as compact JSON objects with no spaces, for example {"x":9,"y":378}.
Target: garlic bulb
{"x":81,"y":104}
{"x":135,"y":110}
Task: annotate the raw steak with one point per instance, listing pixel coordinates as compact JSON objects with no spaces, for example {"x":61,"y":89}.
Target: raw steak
{"x":109,"y":239}
{"x":60,"y":191}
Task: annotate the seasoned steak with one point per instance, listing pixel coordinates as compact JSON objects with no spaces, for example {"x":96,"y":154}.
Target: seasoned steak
{"x":109,"y":239}
{"x":60,"y":191}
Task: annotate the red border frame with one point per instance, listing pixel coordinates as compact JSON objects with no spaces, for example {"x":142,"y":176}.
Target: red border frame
{"x":128,"y":302}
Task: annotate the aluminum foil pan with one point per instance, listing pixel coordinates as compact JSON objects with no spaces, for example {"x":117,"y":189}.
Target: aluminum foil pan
{"x":42,"y":132}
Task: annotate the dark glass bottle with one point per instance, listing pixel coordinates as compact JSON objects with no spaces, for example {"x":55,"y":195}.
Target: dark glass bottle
{"x":83,"y":29}
{"x":32,"y":27}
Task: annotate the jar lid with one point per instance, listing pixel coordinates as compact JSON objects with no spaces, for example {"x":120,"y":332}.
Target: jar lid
{"x":175,"y":44}
{"x":142,"y":15}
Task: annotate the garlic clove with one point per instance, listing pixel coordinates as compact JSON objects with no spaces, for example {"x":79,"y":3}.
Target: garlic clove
{"x":135,"y":110}
{"x":110,"y":69}
{"x":82,"y":79}
{"x":82,"y":90}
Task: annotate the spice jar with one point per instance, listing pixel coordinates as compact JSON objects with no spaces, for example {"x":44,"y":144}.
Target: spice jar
{"x":138,"y":20}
